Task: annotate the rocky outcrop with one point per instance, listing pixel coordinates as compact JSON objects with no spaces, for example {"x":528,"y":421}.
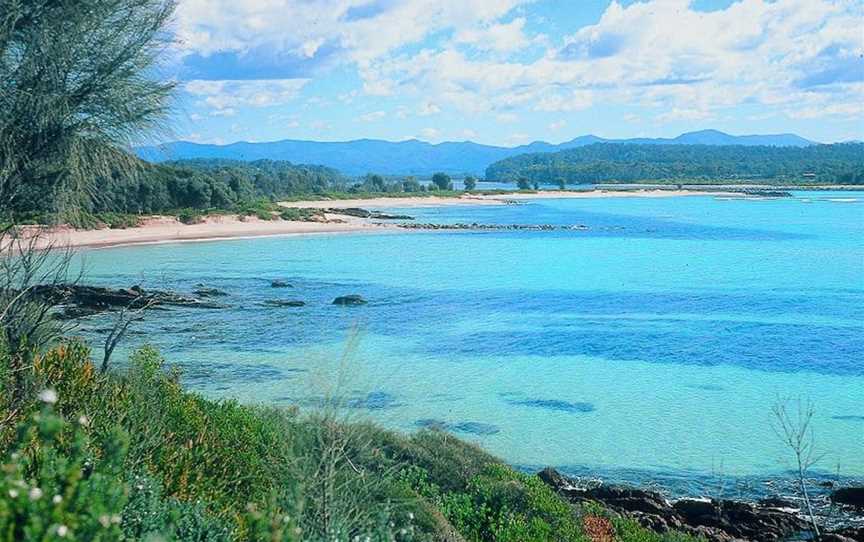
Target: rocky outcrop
{"x":205,"y":291}
{"x":79,"y":300}
{"x":474,"y":226}
{"x":364,"y":213}
{"x":717,"y":520}
{"x":349,"y":300}
{"x":278,"y":283}
{"x":284,"y":303}
{"x":849,"y":496}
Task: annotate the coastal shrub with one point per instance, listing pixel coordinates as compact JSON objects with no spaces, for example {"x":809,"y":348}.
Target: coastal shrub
{"x":186,"y":468}
{"x":148,"y":514}
{"x":53,"y":488}
{"x":190,"y":216}
{"x":261,"y":208}
{"x":298,"y":214}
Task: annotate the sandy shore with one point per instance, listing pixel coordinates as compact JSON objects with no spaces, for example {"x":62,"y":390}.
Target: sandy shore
{"x":377,"y":203}
{"x":170,"y":230}
{"x":495,"y":199}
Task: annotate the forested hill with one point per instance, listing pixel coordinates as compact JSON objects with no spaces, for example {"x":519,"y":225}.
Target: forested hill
{"x":415,"y":157}
{"x":840,"y":163}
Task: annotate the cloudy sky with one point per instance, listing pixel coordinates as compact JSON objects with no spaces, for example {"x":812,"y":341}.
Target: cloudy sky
{"x":511,"y":71}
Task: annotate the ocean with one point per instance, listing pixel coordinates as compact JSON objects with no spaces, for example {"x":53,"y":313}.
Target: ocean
{"x":652,"y":344}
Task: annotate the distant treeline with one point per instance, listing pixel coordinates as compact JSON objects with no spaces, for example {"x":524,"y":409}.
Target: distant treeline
{"x":215,"y":184}
{"x":194,"y":184}
{"x":841,"y":163}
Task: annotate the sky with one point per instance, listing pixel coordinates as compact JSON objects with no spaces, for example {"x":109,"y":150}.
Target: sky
{"x":508,"y":72}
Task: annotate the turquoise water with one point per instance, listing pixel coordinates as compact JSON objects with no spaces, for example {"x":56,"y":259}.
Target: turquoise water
{"x":657,"y":341}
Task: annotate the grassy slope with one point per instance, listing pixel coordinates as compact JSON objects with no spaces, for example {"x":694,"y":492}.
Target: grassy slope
{"x":133,"y":455}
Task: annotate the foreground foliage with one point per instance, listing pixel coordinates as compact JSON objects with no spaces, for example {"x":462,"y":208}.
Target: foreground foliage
{"x":133,"y":456}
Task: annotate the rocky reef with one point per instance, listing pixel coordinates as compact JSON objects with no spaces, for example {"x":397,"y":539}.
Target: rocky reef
{"x":715,"y":520}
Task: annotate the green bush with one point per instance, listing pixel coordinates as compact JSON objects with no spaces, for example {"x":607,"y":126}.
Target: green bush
{"x":53,"y":488}
{"x":190,"y":216}
{"x":298,"y":214}
{"x":148,"y":459}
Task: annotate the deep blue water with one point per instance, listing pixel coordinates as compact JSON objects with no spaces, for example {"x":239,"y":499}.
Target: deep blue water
{"x":657,"y":340}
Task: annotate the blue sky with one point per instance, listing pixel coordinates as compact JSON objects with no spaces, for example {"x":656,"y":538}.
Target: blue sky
{"x":508,"y":72}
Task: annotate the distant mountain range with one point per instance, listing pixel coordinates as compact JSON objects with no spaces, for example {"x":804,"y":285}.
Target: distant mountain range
{"x":415,"y":157}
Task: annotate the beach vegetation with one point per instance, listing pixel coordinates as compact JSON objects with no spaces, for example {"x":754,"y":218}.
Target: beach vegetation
{"x":442,"y":181}
{"x":129,"y":454}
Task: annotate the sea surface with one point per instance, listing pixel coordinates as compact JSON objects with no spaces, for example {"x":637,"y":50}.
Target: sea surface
{"x":651,"y":346}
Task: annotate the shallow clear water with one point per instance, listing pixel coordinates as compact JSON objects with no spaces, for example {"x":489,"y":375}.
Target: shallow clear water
{"x":656,"y":341}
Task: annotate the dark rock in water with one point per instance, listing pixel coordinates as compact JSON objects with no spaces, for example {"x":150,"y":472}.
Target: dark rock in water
{"x":283,"y":303}
{"x":349,"y":300}
{"x":206,"y":291}
{"x":848,"y":418}
{"x":778,"y":502}
{"x":376,"y":400}
{"x":431,"y":423}
{"x":363,"y":213}
{"x":767,"y":193}
{"x":553,"y":404}
{"x":279,"y":284}
{"x":476,"y":428}
{"x":80,"y":300}
{"x":849,"y":496}
{"x":714,"y":520}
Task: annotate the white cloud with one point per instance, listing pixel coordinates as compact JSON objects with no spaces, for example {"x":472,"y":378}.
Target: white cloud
{"x":507,"y":118}
{"x":684,"y":114}
{"x":372,"y":116}
{"x":360,"y":30}
{"x":662,"y":55}
{"x":431,"y":134}
{"x":557,"y":125}
{"x":501,"y":37}
{"x":518,"y":138}
{"x":224,"y":97}
{"x":428,"y":108}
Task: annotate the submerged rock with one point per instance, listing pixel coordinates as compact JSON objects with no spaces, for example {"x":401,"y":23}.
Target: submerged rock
{"x":477,"y":428}
{"x":206,"y":291}
{"x":80,"y":300}
{"x":278,"y":283}
{"x":432,"y":423}
{"x":364,"y":213}
{"x":350,"y":300}
{"x":284,"y":303}
{"x":553,"y":404}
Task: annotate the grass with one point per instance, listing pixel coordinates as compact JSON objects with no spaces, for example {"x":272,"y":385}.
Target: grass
{"x":132,"y":455}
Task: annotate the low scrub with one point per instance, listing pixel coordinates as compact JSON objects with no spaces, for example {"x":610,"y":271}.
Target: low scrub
{"x":132,"y":456}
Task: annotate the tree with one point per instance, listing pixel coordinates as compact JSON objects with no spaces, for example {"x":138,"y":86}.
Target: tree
{"x":375,"y":183}
{"x":562,"y":184}
{"x":410,"y":184}
{"x":794,"y":428}
{"x":470,"y":183}
{"x":77,"y":88}
{"x":523,"y":184}
{"x":34,"y":274}
{"x":442,"y":181}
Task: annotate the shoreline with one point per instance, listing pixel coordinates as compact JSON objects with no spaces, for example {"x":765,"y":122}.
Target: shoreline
{"x":165,"y":229}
